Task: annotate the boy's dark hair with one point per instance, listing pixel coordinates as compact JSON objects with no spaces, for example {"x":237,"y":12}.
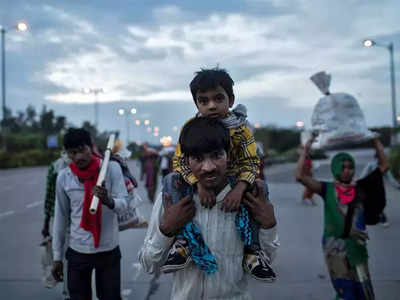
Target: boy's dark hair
{"x":76,"y":137}
{"x":207,"y":79}
{"x":203,"y":135}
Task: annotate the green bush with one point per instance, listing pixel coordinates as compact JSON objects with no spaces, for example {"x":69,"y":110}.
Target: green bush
{"x":279,"y":139}
{"x":32,"y":157}
{"x":22,"y":142}
{"x":394,"y":161}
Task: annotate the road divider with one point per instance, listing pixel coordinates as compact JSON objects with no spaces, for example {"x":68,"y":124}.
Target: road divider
{"x":33,"y":204}
{"x":7,"y":213}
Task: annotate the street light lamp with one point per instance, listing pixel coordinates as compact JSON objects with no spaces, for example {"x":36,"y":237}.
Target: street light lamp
{"x":300,"y":125}
{"x":389,"y":47}
{"x":122,"y":112}
{"x":20,"y":26}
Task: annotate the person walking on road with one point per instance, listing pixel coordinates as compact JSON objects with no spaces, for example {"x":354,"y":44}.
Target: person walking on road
{"x":308,"y":193}
{"x":348,"y":207}
{"x":49,"y":202}
{"x":166,"y":154}
{"x":93,"y":241}
{"x":149,"y":172}
{"x":50,"y":197}
{"x":206,"y":147}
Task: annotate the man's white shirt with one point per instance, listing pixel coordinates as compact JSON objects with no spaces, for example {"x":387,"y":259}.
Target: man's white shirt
{"x":220,"y":234}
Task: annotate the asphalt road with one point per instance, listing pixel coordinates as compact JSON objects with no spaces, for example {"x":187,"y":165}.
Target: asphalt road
{"x":300,"y":265}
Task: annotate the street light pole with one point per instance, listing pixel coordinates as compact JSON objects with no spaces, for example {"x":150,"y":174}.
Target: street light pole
{"x":3,"y":72}
{"x":370,"y":43}
{"x":122,"y":111}
{"x":21,"y":26}
{"x":393,"y":85}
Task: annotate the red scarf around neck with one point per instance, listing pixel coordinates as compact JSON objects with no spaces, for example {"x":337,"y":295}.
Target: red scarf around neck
{"x":89,"y":222}
{"x":345,"y":193}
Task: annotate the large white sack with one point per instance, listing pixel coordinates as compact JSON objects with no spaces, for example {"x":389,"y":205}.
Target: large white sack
{"x":337,"y":117}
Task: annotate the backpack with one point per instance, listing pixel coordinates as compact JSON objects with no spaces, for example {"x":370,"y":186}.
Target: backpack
{"x":374,"y":200}
{"x":130,"y":180}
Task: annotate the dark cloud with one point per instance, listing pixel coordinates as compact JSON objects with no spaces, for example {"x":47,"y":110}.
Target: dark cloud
{"x":270,"y":46}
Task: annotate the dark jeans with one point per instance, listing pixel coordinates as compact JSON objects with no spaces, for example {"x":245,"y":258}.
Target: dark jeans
{"x":108,"y":274}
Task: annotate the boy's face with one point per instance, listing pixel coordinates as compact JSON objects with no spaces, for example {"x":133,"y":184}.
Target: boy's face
{"x":81,"y":156}
{"x":213,"y":103}
{"x":209,"y":168}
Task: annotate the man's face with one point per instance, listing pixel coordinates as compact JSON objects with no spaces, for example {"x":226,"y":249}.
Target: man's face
{"x":347,"y":172}
{"x":209,"y":168}
{"x":214,"y":103}
{"x":81,"y":156}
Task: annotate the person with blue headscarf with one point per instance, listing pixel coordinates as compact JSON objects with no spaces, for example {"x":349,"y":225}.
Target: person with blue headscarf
{"x":348,"y":207}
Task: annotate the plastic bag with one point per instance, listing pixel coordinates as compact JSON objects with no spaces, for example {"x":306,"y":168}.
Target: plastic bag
{"x":46,"y":262}
{"x":131,"y":217}
{"x":337,"y":117}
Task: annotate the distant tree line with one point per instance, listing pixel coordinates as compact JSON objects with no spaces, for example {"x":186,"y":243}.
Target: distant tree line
{"x":23,"y":138}
{"x":31,"y":122}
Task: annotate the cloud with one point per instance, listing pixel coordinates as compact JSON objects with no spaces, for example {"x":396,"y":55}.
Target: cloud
{"x":78,"y":24}
{"x":178,"y":47}
{"x":270,"y":52}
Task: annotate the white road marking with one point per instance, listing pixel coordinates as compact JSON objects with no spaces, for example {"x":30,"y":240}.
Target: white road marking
{"x":33,"y":204}
{"x":7,"y":213}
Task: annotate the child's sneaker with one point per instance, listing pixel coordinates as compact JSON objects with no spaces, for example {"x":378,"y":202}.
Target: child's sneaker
{"x":256,"y":263}
{"x":178,"y":257}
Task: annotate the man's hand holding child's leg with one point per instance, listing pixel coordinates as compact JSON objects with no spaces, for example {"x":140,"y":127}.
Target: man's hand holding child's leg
{"x":261,"y":210}
{"x":174,"y":219}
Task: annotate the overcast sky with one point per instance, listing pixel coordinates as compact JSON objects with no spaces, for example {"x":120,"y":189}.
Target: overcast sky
{"x":143,"y":54}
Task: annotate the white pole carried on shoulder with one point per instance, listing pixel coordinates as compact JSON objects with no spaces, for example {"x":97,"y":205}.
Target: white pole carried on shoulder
{"x":95,"y":200}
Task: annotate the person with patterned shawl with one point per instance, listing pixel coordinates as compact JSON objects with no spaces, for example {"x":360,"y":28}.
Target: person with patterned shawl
{"x":348,"y":207}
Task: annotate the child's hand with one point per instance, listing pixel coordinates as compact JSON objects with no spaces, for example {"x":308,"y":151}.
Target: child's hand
{"x":233,"y":199}
{"x":207,"y":198}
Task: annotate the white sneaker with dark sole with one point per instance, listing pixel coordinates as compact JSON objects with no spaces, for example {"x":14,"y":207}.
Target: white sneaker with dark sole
{"x":258,"y":266}
{"x":178,"y":257}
